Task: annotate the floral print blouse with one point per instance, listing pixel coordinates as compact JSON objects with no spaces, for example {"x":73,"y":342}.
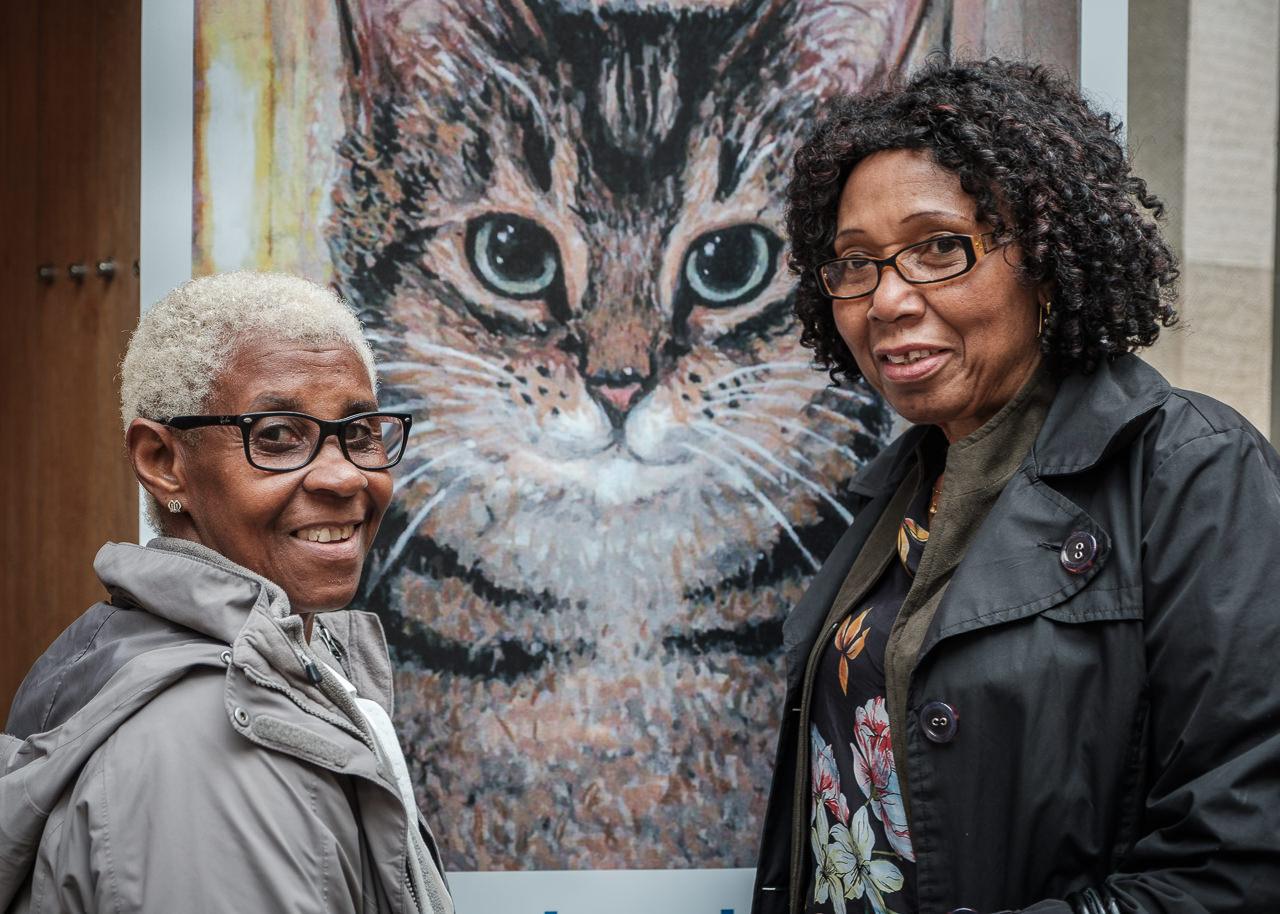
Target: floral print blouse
{"x":862,"y":860}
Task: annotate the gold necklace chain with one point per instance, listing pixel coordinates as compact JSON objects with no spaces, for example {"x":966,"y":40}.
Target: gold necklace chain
{"x":933,"y":501}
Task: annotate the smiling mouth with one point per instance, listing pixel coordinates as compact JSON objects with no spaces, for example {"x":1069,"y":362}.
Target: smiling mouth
{"x":326,"y":534}
{"x":907,"y":358}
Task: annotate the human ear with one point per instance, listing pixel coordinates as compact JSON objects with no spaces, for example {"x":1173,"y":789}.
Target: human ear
{"x":156,"y":457}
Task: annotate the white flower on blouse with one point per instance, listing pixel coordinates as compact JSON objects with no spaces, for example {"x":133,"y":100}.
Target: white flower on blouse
{"x":861,"y":874}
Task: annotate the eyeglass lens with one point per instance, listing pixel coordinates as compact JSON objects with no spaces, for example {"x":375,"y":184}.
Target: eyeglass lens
{"x":281,"y":442}
{"x":929,"y":261}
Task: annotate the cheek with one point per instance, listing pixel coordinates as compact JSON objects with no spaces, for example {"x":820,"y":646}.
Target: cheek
{"x":380,"y":490}
{"x":851,"y":328}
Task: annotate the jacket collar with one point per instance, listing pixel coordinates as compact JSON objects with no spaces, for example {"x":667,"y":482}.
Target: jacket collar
{"x":1091,"y":411}
{"x":188,"y":584}
{"x":886,"y":470}
{"x":1086,"y":418}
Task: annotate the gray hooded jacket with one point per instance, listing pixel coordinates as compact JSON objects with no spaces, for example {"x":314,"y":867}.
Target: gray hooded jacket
{"x":182,"y":747}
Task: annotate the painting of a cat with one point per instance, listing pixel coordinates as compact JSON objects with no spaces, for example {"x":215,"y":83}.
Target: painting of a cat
{"x":561,"y":224}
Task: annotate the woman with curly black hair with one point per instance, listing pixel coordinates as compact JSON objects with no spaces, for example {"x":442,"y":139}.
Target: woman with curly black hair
{"x":1033,"y":674}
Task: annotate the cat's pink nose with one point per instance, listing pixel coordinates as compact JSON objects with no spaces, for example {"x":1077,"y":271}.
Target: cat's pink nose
{"x":619,"y":397}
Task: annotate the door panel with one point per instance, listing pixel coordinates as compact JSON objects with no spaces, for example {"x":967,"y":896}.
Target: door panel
{"x":70,"y":195}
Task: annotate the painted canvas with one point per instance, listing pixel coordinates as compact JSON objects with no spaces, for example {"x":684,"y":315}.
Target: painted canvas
{"x":560,"y":221}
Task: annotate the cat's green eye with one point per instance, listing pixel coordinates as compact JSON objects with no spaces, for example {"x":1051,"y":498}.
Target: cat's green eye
{"x":731,"y":265}
{"x":513,"y":256}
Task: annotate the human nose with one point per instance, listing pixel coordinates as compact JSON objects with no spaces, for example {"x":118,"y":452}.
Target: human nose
{"x":894,"y":297}
{"x":331,"y":470}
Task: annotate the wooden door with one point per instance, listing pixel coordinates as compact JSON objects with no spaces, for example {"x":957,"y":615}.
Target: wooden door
{"x":69,"y":193}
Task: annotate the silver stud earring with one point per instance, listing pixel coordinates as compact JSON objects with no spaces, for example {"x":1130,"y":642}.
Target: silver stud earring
{"x":175,"y":506}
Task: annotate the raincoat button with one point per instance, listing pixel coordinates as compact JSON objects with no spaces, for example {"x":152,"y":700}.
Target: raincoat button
{"x":241,"y":716}
{"x":1079,"y":552}
{"x":226,"y":657}
{"x":939,"y":721}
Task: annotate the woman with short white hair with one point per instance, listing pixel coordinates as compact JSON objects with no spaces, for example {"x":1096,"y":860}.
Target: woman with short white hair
{"x":215,"y":736}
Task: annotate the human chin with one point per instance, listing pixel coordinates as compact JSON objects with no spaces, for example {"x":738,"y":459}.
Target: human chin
{"x":325,"y":562}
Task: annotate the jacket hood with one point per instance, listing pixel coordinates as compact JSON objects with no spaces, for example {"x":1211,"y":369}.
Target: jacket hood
{"x":169,"y":592}
{"x":194,"y":604}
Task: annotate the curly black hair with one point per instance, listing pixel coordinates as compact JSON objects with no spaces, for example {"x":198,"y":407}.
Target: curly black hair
{"x":1046,"y":172}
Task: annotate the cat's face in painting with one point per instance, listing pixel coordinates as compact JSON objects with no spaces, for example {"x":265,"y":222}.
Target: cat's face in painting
{"x":561,"y":223}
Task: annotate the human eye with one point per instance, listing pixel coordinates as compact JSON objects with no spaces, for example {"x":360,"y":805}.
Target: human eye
{"x":281,"y":434}
{"x":362,"y":431}
{"x":943,"y":250}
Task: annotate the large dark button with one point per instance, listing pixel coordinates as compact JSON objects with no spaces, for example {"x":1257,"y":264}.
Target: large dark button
{"x":938,"y":720}
{"x":1079,"y":552}
{"x":962,"y":911}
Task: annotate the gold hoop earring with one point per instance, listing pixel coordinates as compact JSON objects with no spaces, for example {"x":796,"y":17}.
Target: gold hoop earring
{"x":1045,"y":307}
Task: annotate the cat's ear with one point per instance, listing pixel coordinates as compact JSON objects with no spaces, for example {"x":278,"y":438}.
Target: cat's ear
{"x":846,"y":45}
{"x":360,"y":23}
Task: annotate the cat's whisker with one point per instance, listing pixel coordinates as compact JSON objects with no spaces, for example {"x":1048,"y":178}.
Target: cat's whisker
{"x":411,"y":528}
{"x":428,"y":348}
{"x":805,"y":430}
{"x":420,"y":469}
{"x":745,"y":484}
{"x":834,"y":445}
{"x":472,"y":396}
{"x":792,"y":402}
{"x":816,"y":393}
{"x":415,"y":370}
{"x":779,"y":422}
{"x":766,"y":384}
{"x":836,"y":414}
{"x":771,"y":392}
{"x":409,"y":405}
{"x":762,"y":422}
{"x":747,"y":370}
{"x":811,"y":485}
{"x":858,"y":396}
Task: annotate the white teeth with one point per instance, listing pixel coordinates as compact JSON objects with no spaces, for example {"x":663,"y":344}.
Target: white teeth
{"x":327,"y":534}
{"x":913,"y":356}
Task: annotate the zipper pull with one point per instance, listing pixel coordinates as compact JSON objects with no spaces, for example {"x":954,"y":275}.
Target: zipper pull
{"x":331,"y":643}
{"x":309,"y":667}
{"x":312,"y":671}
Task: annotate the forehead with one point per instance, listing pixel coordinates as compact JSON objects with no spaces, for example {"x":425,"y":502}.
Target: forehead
{"x":902,"y":185}
{"x":318,"y":378}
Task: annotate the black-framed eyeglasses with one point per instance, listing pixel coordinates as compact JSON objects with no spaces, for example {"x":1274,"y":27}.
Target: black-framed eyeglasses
{"x":931,"y":260}
{"x":284,"y":441}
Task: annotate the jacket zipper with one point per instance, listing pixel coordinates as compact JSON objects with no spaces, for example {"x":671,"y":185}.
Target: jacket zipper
{"x":329,"y":688}
{"x":335,"y":647}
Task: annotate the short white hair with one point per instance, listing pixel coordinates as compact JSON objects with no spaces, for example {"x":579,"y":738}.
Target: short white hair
{"x":185,"y":342}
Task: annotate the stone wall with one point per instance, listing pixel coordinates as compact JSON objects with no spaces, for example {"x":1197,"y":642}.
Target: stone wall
{"x":1204,"y":96}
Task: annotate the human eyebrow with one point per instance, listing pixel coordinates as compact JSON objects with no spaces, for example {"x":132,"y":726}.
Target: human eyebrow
{"x":361,"y":406}
{"x":266,"y":403}
{"x":945,"y":215}
{"x":846,"y":238}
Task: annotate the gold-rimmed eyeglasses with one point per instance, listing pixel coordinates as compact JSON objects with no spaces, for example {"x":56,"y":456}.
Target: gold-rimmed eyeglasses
{"x":932,"y":260}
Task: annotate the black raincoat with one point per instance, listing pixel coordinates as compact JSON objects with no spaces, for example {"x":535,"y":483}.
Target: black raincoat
{"x":1106,"y":651}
